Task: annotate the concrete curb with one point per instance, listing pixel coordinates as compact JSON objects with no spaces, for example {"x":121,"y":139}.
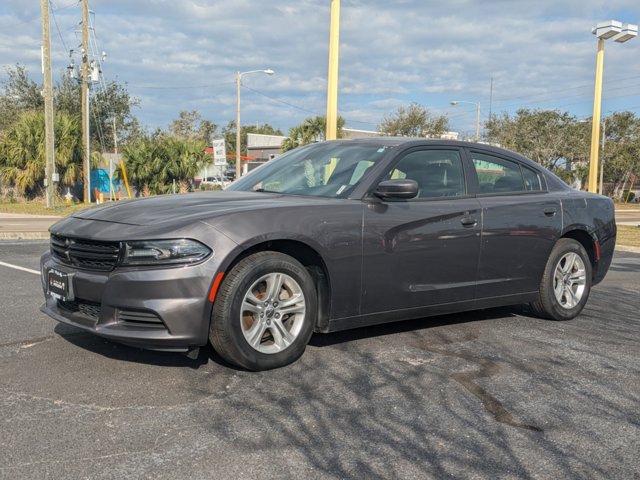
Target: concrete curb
{"x":24,"y":235}
{"x":625,"y":248}
{"x":29,"y":215}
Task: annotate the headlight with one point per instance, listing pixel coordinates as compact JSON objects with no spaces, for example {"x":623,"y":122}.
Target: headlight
{"x":164,"y":252}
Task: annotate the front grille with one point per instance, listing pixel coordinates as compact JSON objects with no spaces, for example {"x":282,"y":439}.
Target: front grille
{"x":87,"y":254}
{"x":88,"y":309}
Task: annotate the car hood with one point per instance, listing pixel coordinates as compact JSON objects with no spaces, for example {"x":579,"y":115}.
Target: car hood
{"x":187,"y":208}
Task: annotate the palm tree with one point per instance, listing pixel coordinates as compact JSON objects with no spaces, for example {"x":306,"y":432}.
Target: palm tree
{"x":139,"y":157}
{"x":22,"y":151}
{"x":68,"y":148}
{"x":181,"y":160}
{"x":154,"y":164}
{"x":312,"y":129}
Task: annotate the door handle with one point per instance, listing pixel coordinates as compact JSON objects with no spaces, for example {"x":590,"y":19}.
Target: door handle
{"x":468,"y":222}
{"x":550,"y":212}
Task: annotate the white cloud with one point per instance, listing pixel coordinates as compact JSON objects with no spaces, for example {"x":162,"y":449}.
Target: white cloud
{"x":540,"y":54}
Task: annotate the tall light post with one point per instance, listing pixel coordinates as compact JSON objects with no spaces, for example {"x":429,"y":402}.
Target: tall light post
{"x":238,"y":80}
{"x":477,"y":105}
{"x":331,"y":130}
{"x":620,"y":33}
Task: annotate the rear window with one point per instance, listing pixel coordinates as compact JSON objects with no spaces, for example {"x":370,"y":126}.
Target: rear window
{"x":498,"y":175}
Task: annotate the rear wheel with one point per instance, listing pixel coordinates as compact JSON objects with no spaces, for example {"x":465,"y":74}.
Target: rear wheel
{"x":566,"y":282}
{"x":264,"y":313}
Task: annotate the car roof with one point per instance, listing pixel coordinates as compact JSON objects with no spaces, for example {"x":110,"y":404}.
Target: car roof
{"x":553,"y":182}
{"x":409,"y":141}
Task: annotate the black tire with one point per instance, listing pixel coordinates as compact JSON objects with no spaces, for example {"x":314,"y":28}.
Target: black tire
{"x":229,"y":325}
{"x":548,"y":305}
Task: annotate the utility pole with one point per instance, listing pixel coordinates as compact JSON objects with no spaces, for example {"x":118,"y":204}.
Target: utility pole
{"x":49,"y":169}
{"x":85,"y":101}
{"x":490,"y":98}
{"x":332,"y":80}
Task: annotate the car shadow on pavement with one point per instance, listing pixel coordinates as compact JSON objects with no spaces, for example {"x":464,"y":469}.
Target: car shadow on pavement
{"x":326,"y":339}
{"x":118,"y":351}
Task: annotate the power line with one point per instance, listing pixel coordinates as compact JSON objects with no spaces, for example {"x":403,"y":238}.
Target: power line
{"x":275,"y":99}
{"x":64,"y":7}
{"x":281,"y":101}
{"x":55,"y":20}
{"x":180,"y":87}
{"x":571,"y":89}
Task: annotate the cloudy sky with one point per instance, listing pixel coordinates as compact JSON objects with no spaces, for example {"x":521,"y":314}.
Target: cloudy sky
{"x":183,"y":54}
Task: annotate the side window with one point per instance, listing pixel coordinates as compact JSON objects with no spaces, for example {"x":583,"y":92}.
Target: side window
{"x":438,"y":172}
{"x":497,"y":175}
{"x":531,"y":180}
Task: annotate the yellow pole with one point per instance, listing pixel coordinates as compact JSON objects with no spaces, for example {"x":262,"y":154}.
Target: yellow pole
{"x":595,"y":124}
{"x":332,"y":80}
{"x":633,"y":182}
{"x":238,"y":167}
{"x":124,"y":177}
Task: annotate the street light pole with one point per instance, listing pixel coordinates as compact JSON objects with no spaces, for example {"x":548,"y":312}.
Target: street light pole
{"x":620,"y":33}
{"x":238,"y":83}
{"x":332,"y":75}
{"x":238,"y":77}
{"x":477,"y":105}
{"x":595,"y":123}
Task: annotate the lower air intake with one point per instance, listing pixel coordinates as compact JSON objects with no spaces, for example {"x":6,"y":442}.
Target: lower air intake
{"x":140,"y":318}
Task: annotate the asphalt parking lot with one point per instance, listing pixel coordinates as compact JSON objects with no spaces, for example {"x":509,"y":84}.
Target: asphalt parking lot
{"x":487,"y":394}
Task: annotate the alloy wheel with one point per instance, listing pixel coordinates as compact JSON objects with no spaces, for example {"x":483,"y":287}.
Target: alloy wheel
{"x":569,"y":280}
{"x":272,"y":313}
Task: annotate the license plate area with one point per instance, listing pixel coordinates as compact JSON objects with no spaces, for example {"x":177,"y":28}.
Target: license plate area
{"x":59,"y":285}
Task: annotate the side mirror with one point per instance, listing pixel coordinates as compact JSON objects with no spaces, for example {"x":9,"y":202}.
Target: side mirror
{"x":403,"y":189}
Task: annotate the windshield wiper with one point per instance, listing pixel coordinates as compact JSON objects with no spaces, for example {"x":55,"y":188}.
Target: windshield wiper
{"x":262,"y":190}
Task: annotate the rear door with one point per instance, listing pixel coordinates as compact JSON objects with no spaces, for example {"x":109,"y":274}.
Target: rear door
{"x":521,"y":222}
{"x":424,"y":251}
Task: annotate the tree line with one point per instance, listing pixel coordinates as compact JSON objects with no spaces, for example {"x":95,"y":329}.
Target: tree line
{"x":561,"y":142}
{"x":156,"y":160}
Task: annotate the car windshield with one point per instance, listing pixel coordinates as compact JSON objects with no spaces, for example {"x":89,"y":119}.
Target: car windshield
{"x":331,"y":169}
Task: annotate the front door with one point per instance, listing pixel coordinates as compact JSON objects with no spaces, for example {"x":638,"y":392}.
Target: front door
{"x":424,"y":251}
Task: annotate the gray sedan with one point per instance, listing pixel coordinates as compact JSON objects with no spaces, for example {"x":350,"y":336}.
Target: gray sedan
{"x":329,"y":236}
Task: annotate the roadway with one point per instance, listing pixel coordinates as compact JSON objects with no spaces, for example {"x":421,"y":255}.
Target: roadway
{"x":13,"y":225}
{"x":628,"y":217}
{"x":487,"y":394}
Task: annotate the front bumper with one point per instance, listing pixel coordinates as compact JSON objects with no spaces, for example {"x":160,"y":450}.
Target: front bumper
{"x":159,"y":309}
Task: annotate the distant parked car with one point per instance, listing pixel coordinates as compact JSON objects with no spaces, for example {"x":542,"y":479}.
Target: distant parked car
{"x":632,"y":196}
{"x":216,"y":180}
{"x":329,"y":236}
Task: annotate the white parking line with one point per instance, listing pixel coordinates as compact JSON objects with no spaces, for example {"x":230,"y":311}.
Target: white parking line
{"x":16,"y":267}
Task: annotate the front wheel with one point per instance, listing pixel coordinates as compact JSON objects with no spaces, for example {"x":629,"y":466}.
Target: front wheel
{"x":566,"y":282}
{"x":265,"y":312}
